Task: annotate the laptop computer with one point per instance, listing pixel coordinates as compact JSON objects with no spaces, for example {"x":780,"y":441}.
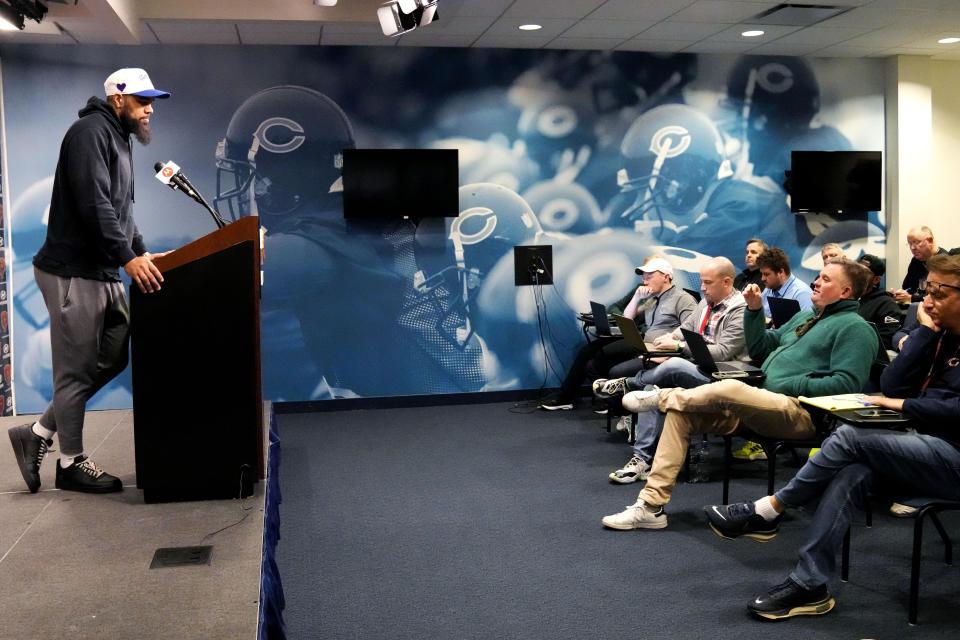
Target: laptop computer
{"x":630,"y":333}
{"x":708,"y":366}
{"x":601,"y":322}
{"x":782,"y":309}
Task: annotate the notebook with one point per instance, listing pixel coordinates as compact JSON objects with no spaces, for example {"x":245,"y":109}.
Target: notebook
{"x":782,"y":309}
{"x":630,"y":333}
{"x":702,"y":356}
{"x":600,"y":320}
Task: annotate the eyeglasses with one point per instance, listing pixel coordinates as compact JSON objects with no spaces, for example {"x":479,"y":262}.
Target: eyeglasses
{"x":935,"y":289}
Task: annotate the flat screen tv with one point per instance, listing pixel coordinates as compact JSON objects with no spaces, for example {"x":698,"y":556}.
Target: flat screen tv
{"x":836,"y":182}
{"x":400,"y":183}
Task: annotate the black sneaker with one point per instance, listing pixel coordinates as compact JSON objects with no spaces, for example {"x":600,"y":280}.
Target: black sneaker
{"x":789,"y":599}
{"x":84,"y":475}
{"x":554,"y":402}
{"x":740,"y":519}
{"x":29,"y":450}
{"x":605,"y":389}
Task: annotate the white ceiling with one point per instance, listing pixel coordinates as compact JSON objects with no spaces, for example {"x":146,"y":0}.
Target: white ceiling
{"x":864,"y":28}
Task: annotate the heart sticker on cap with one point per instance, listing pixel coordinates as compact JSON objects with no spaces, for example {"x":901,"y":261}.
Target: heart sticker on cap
{"x":122,"y":86}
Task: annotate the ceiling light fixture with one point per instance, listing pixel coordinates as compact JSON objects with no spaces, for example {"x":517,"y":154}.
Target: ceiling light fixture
{"x":398,"y":17}
{"x":752,"y":34}
{"x":529,"y":27}
{"x":948,"y":40}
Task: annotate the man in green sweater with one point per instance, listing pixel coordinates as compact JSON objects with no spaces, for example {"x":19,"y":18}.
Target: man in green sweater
{"x":823,"y":351}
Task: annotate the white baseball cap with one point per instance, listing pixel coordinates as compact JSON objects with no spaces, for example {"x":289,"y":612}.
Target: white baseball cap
{"x":656,"y":264}
{"x":132,"y":82}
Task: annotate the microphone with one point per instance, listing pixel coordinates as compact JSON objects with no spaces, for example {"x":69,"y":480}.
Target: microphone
{"x":170,"y":175}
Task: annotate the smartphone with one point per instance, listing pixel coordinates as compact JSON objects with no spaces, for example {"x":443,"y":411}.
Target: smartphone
{"x":720,"y":375}
{"x":876,"y":413}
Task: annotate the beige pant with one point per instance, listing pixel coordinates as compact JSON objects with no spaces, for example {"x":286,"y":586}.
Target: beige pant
{"x":718,"y":407}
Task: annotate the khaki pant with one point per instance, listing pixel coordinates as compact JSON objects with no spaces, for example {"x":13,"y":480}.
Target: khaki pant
{"x":719,"y":408}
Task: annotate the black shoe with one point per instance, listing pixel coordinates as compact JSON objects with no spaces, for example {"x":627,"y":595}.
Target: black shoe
{"x":29,"y":450}
{"x":789,"y":599}
{"x":84,"y":475}
{"x":740,"y":519}
{"x":554,"y":402}
{"x":605,"y":389}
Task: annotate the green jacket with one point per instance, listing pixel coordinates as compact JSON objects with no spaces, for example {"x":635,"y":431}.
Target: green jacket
{"x":834,"y":356}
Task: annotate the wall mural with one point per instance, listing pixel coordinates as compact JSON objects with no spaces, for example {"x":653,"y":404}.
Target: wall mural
{"x":606,"y":156}
{"x":6,"y":368}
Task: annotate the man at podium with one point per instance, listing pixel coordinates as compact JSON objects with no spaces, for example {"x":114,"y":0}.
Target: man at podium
{"x":90,"y":235}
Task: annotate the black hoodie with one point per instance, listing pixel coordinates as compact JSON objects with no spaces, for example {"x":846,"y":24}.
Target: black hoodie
{"x":91,"y":232}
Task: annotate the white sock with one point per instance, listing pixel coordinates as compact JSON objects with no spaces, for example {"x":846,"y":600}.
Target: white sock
{"x":66,"y":461}
{"x":764,"y":508}
{"x":42,"y":431}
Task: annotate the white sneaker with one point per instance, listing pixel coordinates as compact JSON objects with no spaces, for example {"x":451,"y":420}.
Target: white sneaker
{"x":639,"y":515}
{"x":610,"y":387}
{"x":623,"y":424}
{"x":634,"y":470}
{"x":637,"y":401}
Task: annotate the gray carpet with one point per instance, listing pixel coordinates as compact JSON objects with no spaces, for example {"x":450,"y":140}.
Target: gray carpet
{"x":479,"y":522}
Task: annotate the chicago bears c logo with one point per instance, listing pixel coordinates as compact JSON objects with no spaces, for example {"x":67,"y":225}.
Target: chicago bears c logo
{"x":663,"y":145}
{"x":262,"y":135}
{"x":775,"y":77}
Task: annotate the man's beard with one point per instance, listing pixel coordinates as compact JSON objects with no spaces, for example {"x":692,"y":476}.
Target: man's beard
{"x":140,"y":131}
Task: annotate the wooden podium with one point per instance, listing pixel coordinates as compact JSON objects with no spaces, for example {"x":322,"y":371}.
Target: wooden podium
{"x":197,"y":406}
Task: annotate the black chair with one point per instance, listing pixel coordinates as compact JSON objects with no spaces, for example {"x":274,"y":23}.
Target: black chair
{"x":822,"y":420}
{"x":694,"y":293}
{"x":925,"y":507}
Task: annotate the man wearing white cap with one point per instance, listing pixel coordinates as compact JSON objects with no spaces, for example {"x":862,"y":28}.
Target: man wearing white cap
{"x":90,"y":235}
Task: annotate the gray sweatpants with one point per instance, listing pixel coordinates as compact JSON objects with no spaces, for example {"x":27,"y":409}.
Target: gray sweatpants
{"x":89,"y":336}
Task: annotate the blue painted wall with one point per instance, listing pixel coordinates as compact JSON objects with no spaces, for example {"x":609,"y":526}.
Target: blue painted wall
{"x":608,"y":157}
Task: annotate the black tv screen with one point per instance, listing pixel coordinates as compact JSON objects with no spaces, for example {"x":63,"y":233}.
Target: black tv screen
{"x":835,"y":181}
{"x":400,"y":183}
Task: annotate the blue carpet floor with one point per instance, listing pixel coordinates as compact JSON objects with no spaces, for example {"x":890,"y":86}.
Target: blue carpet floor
{"x":481,"y":522}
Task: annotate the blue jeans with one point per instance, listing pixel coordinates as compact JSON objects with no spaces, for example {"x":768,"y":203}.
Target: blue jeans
{"x":675,"y":372}
{"x":841,"y":475}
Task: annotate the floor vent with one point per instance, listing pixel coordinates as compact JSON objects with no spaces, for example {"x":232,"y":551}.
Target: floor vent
{"x":180,"y":557}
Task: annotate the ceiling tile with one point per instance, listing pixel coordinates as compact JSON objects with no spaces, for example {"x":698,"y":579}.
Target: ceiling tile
{"x":495,"y":41}
{"x":606,"y":29}
{"x":637,"y":44}
{"x":822,"y":36}
{"x":644,"y":10}
{"x":720,"y":11}
{"x":718,"y":47}
{"x":552,"y":8}
{"x":474,"y":8}
{"x":592,"y":44}
{"x":733,"y":34}
{"x":552,"y":27}
{"x":689,"y":31}
{"x":781,"y":48}
{"x":195,"y":31}
{"x":421,"y":38}
{"x":279,"y":32}
{"x":357,"y":39}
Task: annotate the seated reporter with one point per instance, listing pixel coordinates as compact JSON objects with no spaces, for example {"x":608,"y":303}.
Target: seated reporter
{"x":719,"y":318}
{"x":923,"y":382}
{"x":656,"y":305}
{"x":824,"y":351}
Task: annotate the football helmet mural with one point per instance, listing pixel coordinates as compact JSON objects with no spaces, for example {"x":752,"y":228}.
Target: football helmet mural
{"x":565,"y":207}
{"x":673,"y":157}
{"x":281,"y":153}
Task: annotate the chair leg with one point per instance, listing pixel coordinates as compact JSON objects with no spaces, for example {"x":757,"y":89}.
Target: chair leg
{"x":947,"y":544}
{"x":772,"y":468}
{"x":632,"y":433}
{"x":727,"y":454}
{"x":609,"y":417}
{"x":915,"y":565}
{"x":845,"y":557}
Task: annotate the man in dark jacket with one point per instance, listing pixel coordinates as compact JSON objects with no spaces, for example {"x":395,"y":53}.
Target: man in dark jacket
{"x":90,"y":235}
{"x":923,"y":383}
{"x":878,"y":306}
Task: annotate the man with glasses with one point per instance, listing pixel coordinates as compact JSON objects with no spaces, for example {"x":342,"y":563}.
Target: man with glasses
{"x":923,"y":247}
{"x":824,"y":351}
{"x":923,"y":383}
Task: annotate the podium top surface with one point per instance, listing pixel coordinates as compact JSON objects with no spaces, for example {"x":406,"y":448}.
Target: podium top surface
{"x":246,"y":228}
